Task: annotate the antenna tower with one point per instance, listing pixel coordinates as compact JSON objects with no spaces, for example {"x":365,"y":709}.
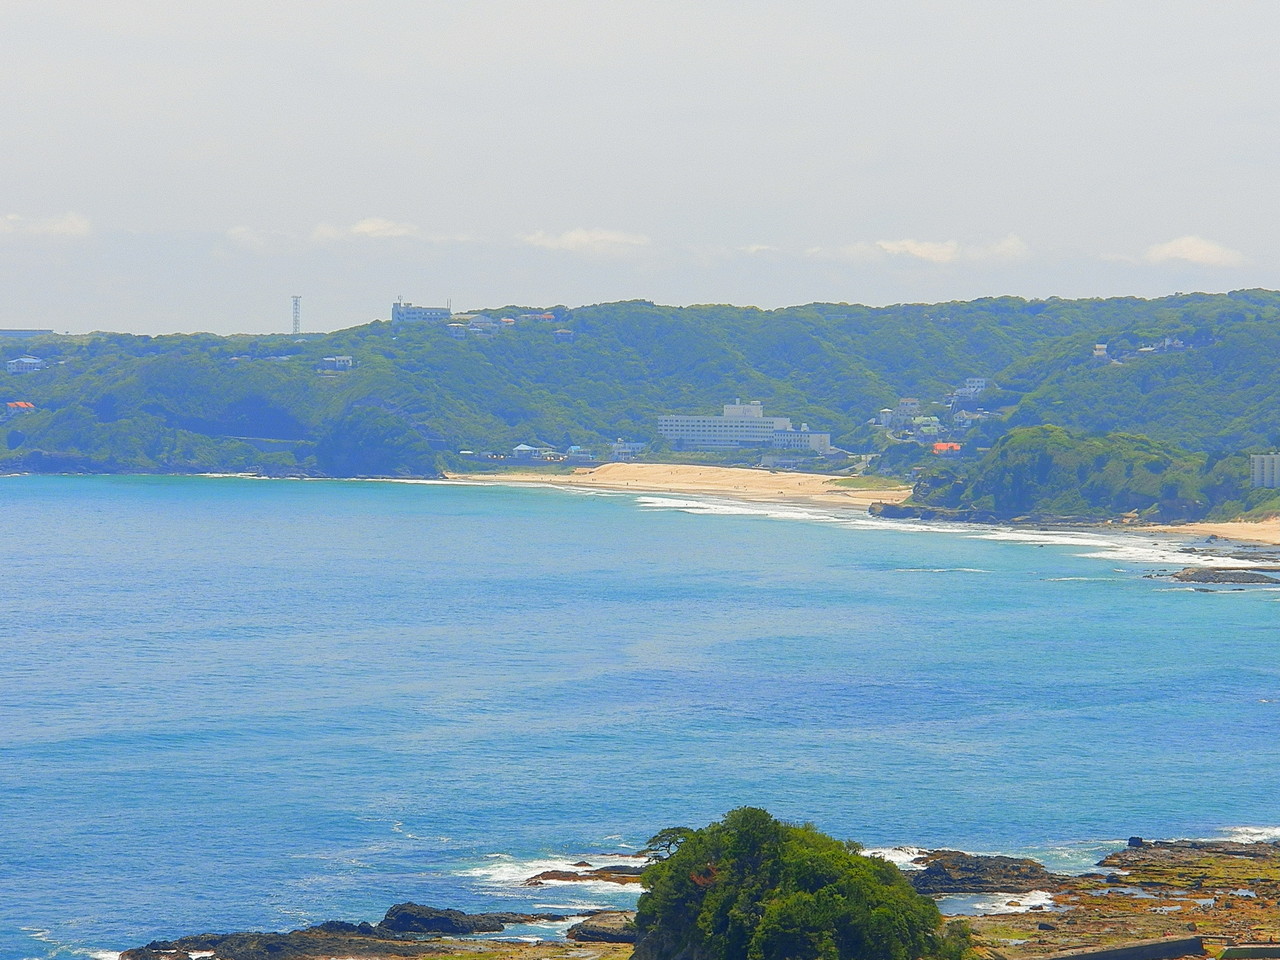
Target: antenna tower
{"x":297,"y":315}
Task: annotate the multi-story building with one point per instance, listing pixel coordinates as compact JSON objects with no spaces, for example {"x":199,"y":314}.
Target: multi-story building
{"x":402,"y":312}
{"x":25,"y":365}
{"x":972,"y":389}
{"x":741,"y":425}
{"x":1266,"y":469}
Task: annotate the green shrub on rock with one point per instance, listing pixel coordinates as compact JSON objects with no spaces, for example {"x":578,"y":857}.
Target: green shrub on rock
{"x":750,"y":887}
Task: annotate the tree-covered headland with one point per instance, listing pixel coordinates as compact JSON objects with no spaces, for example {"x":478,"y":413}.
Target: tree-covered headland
{"x":1159,"y":422}
{"x":750,"y":887}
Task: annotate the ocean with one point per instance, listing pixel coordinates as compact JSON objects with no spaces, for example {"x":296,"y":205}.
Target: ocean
{"x":231,"y":704}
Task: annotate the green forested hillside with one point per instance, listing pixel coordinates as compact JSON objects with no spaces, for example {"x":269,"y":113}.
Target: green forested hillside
{"x":1194,"y":371}
{"x":1049,"y":471}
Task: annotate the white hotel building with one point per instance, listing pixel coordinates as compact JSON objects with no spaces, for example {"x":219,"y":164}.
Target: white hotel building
{"x":742,"y":425}
{"x":1266,"y":469}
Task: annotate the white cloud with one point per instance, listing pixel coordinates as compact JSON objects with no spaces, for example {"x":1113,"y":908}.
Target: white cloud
{"x":380,"y":227}
{"x":590,"y":242}
{"x":861,"y":252}
{"x":376,"y":228}
{"x":67,"y":225}
{"x":754,"y":248}
{"x":1011,"y":247}
{"x":1193,"y":249}
{"x":929,"y":250}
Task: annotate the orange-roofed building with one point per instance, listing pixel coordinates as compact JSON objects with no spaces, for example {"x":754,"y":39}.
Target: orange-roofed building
{"x":944,"y":448}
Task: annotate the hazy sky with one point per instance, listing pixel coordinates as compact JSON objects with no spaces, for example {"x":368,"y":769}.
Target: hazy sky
{"x":189,"y":165}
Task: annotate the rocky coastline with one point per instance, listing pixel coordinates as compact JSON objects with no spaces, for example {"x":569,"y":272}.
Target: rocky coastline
{"x":1213,"y":892}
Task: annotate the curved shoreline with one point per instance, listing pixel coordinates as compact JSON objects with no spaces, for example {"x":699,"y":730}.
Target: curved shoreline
{"x":740,"y":483}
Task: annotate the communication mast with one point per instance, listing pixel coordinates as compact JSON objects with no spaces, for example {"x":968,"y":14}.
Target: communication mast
{"x":297,"y":315}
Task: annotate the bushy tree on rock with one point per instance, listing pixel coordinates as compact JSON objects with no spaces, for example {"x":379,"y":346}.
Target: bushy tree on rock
{"x":750,"y":887}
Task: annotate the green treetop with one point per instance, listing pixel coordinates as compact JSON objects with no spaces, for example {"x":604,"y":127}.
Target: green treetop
{"x":750,"y":887}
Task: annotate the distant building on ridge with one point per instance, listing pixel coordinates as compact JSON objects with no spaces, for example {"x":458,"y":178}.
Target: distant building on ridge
{"x":402,"y":312}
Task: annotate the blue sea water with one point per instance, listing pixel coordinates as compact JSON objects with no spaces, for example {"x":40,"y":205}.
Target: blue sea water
{"x":238,"y":704}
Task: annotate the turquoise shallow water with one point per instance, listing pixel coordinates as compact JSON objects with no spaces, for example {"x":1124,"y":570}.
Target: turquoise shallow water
{"x":233,"y":704}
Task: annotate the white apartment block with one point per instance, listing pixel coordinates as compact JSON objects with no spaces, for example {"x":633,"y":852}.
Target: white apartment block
{"x":1266,"y":469}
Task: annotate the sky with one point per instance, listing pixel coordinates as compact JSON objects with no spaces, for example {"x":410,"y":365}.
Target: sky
{"x":173,"y":167}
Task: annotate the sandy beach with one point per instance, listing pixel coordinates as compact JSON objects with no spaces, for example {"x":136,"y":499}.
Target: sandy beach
{"x":1246,"y":531}
{"x":738,"y":482}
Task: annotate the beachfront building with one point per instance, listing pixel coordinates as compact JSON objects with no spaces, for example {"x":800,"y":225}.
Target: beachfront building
{"x":1266,"y":470}
{"x":402,"y":312}
{"x":741,"y":425}
{"x":626,"y":449}
{"x":541,"y":451}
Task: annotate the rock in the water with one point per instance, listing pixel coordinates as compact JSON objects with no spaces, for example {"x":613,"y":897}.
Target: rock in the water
{"x":610,"y":926}
{"x":614,"y":873}
{"x":312,"y":944}
{"x":950,"y":871}
{"x":415,"y":918}
{"x":1221,"y":575}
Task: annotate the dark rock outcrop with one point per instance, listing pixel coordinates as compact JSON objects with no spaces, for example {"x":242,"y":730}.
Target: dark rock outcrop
{"x":609,"y":926}
{"x":950,"y":871}
{"x":1222,"y":575}
{"x":398,"y":935}
{"x":298,"y":945}
{"x":415,"y":918}
{"x":613,"y":873}
{"x":911,"y":511}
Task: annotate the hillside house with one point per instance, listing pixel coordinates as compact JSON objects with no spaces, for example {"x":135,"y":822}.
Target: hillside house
{"x":972,"y":389}
{"x":25,"y":364}
{"x":15,"y":408}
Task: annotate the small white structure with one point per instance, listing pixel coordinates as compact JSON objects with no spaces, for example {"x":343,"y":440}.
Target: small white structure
{"x":1266,"y":470}
{"x":337,"y":363}
{"x":25,"y":364}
